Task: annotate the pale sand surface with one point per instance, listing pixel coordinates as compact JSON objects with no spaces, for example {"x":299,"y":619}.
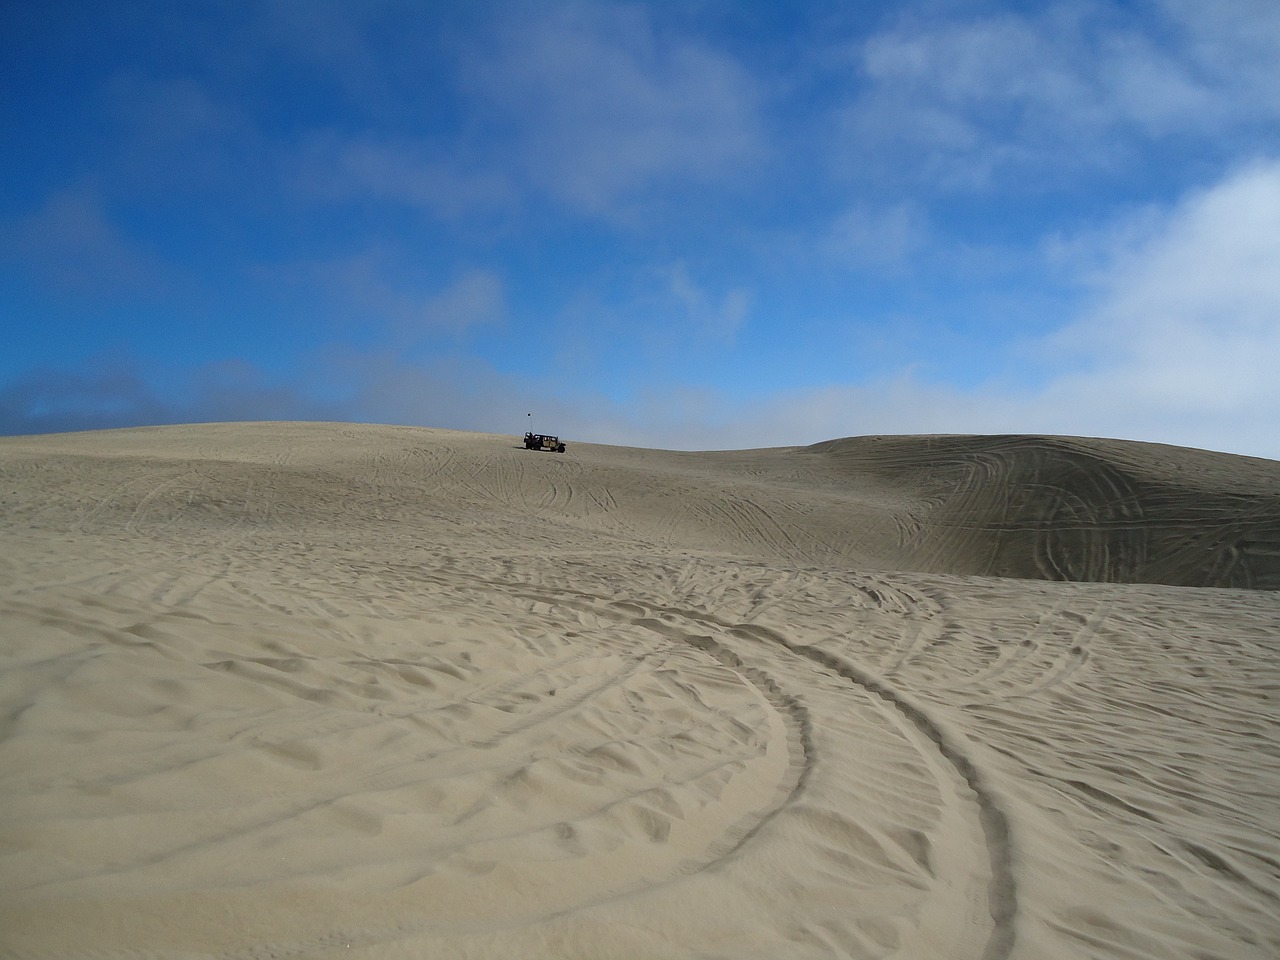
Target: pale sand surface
{"x":321,"y":690}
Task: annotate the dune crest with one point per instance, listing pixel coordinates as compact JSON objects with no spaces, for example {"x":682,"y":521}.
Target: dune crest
{"x":322,"y":690}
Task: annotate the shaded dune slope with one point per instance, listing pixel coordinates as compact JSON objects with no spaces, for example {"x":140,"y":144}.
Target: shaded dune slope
{"x":1080,"y":510}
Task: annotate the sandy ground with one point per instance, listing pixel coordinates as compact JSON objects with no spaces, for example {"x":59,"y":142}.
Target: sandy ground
{"x":321,"y":690}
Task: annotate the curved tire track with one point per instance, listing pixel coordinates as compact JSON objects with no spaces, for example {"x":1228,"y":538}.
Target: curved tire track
{"x":1002,"y":897}
{"x":1002,"y":893}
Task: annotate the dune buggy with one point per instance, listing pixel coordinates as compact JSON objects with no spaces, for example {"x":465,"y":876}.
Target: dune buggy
{"x":543,"y":441}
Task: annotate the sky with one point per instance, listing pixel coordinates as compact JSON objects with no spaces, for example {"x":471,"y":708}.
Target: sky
{"x":696,"y":225}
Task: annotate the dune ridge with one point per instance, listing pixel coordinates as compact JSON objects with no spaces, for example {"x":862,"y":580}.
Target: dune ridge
{"x":1082,"y":510}
{"x":322,"y":690}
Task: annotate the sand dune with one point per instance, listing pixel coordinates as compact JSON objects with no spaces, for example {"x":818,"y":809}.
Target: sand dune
{"x":322,"y":690}
{"x":1061,"y":508}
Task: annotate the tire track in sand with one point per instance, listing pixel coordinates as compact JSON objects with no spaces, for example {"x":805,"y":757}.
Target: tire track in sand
{"x":790,"y":710}
{"x":1002,"y":887}
{"x":994,"y":824}
{"x":1002,"y":898}
{"x":1002,"y":894}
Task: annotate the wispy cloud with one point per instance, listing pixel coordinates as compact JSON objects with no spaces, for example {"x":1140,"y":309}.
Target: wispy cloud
{"x":706,"y":316}
{"x":598,"y":104}
{"x":395,"y":301}
{"x":180,"y":139}
{"x":73,"y":246}
{"x":474,"y":299}
{"x":1076,"y":85}
{"x":399,"y":173}
{"x":865,"y":235}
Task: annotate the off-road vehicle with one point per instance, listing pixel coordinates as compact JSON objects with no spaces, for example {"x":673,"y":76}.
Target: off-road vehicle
{"x":542,"y":441}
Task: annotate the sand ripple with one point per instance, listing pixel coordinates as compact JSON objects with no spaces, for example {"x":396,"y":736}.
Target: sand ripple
{"x":321,"y":690}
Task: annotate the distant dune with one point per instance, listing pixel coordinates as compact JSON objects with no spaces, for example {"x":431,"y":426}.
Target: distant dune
{"x":1064,"y":508}
{"x":334,"y":690}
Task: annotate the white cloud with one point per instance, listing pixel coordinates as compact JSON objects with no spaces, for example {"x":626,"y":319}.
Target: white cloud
{"x":1181,"y":345}
{"x":184,"y":140}
{"x":599,"y":105}
{"x":887,"y":236}
{"x":72,"y":244}
{"x":1234,"y":45}
{"x":717,"y":319}
{"x":1077,"y":84}
{"x":474,"y":299}
{"x":401,"y":303}
{"x":399,"y":172}
{"x":1187,"y":328}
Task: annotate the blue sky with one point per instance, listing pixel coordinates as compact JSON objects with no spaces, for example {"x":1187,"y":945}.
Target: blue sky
{"x":695,"y":225}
